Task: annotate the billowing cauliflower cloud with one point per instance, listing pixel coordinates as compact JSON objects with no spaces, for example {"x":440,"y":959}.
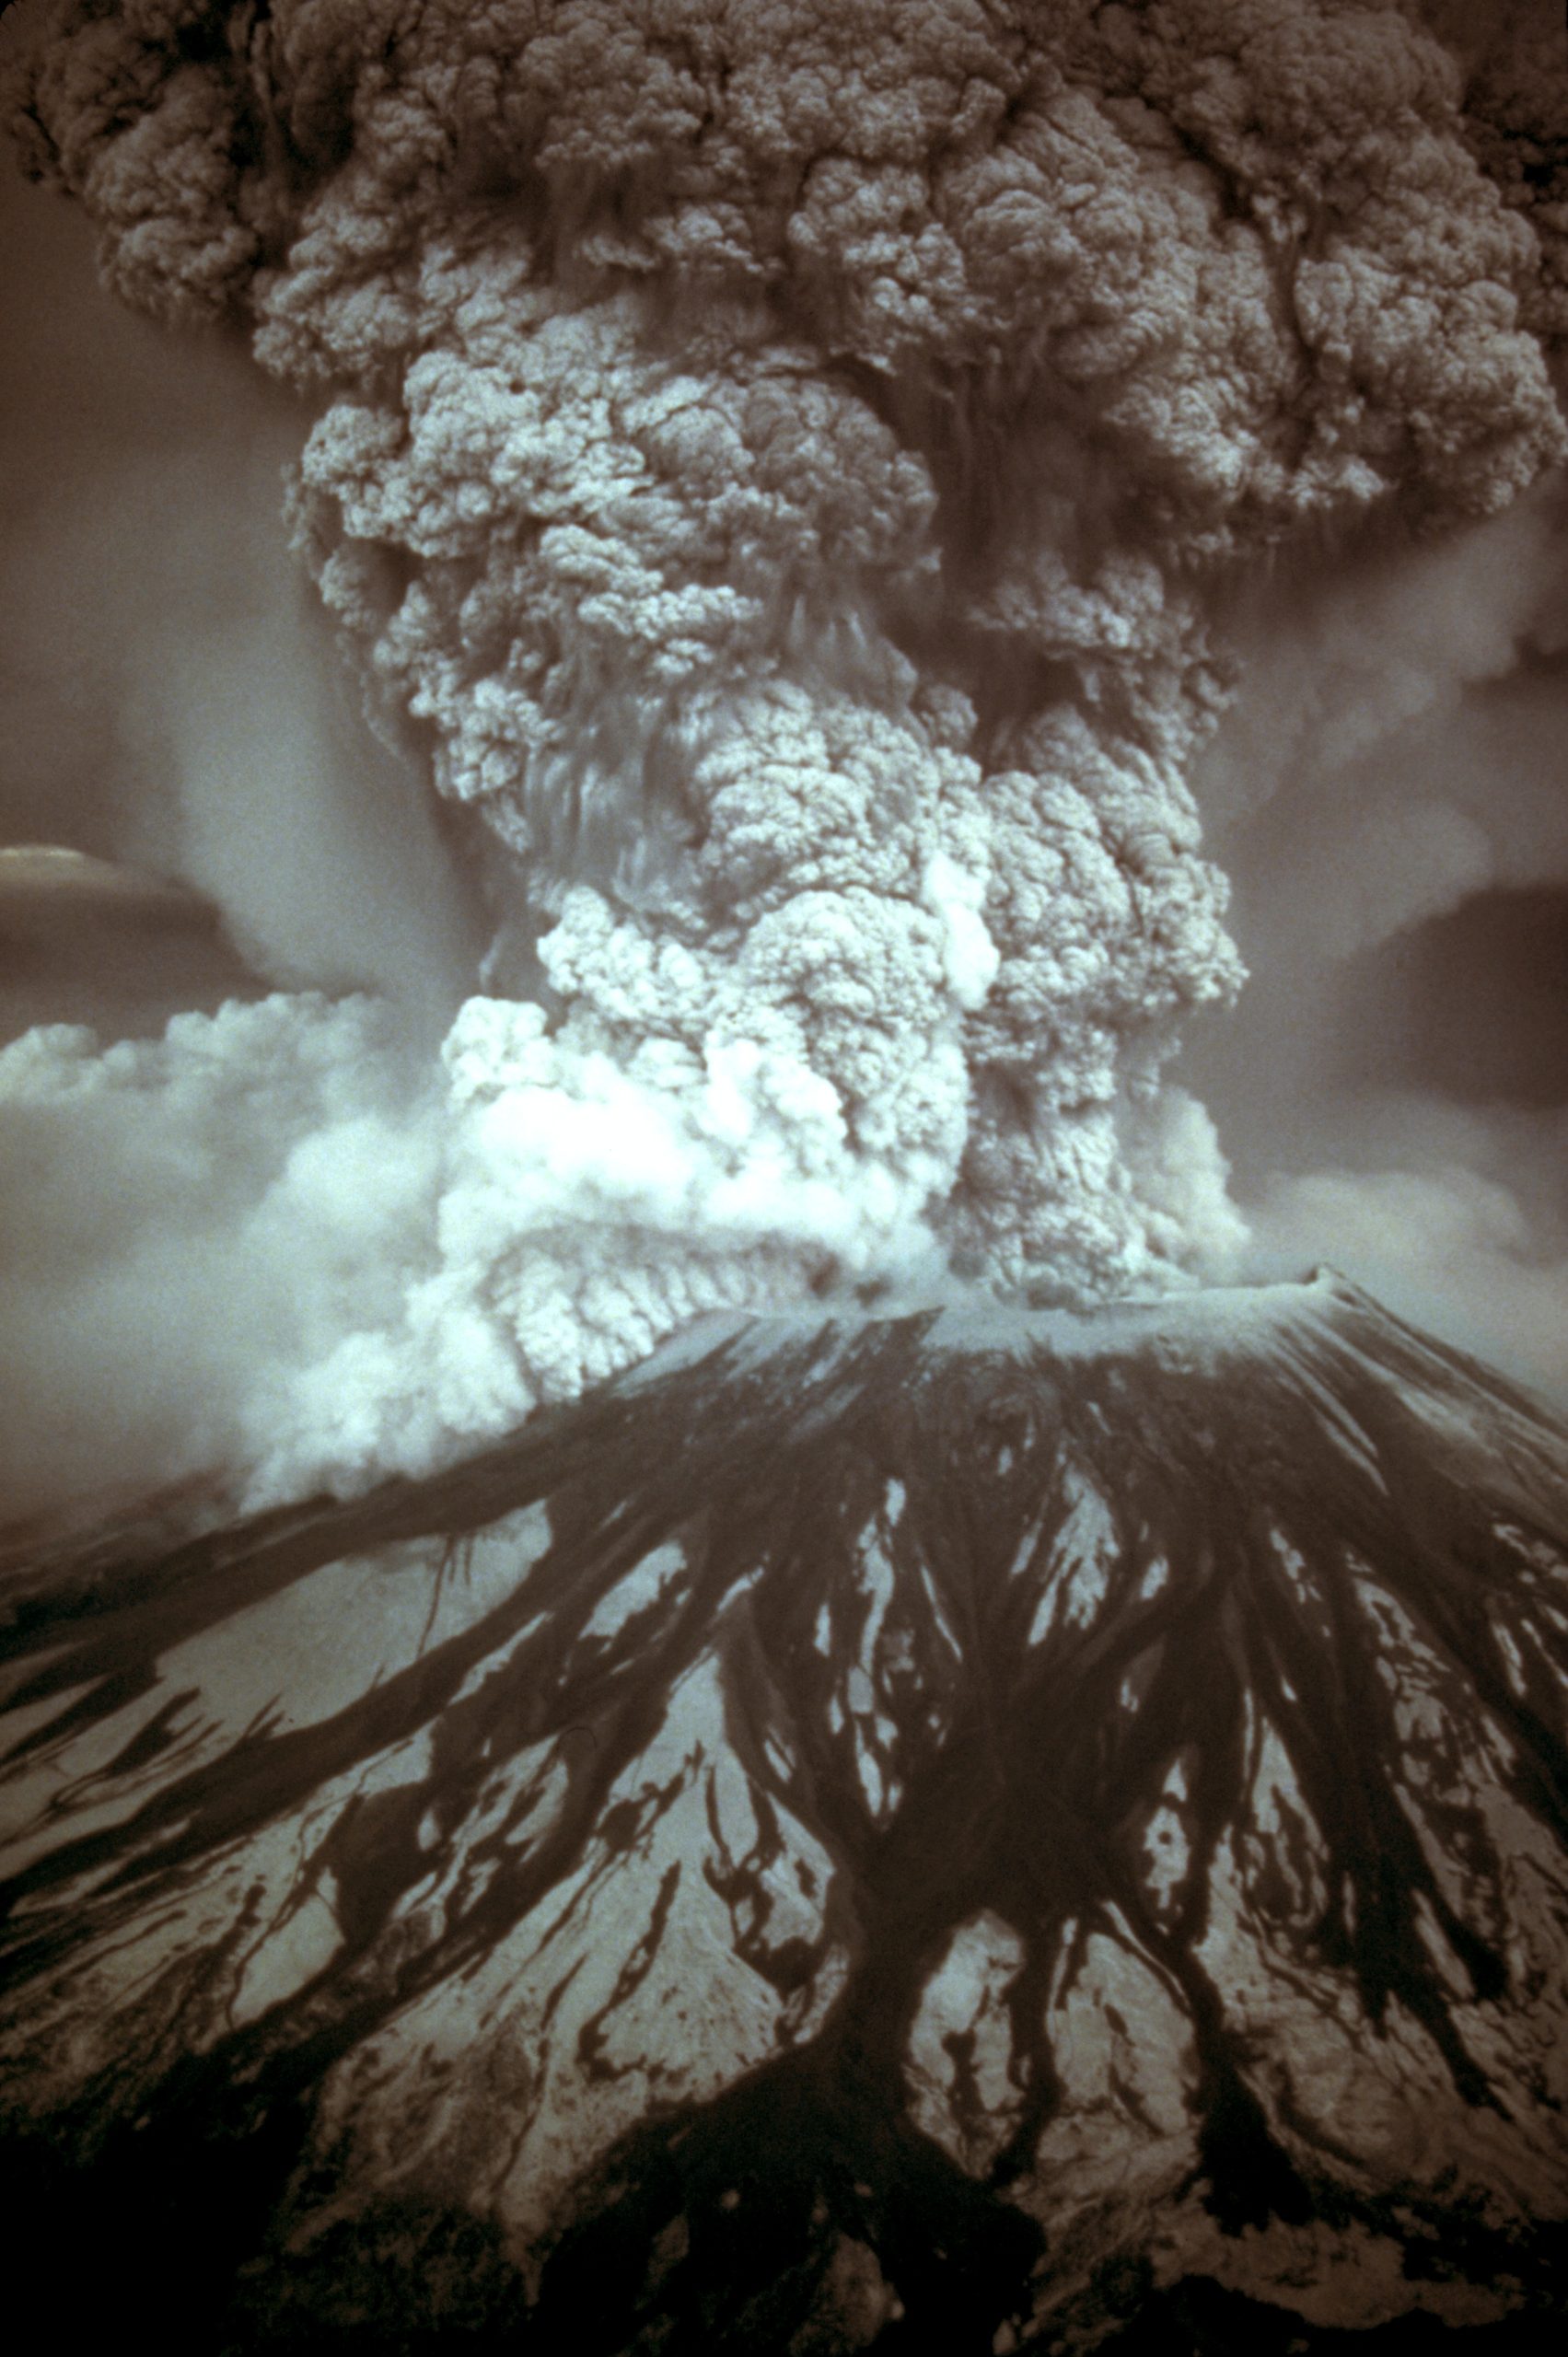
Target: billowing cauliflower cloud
{"x":771,"y":456}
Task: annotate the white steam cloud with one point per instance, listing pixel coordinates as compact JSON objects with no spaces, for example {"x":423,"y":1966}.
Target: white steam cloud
{"x":777,"y":469}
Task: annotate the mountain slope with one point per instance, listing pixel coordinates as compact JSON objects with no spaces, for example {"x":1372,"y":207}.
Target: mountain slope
{"x":926,"y":1832}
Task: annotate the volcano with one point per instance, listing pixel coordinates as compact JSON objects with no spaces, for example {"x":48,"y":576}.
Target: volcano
{"x":964,"y":1830}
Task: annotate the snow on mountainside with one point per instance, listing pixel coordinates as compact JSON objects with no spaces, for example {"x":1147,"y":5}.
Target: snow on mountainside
{"x":949,"y":1831}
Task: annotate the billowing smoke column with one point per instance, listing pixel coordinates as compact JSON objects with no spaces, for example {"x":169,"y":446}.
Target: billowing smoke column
{"x":775,"y":459}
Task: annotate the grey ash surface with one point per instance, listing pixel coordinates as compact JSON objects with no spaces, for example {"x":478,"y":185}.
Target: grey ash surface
{"x":942,"y":1832}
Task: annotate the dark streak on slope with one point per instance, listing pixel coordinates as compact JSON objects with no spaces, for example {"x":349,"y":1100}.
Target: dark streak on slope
{"x":1014,"y":1777}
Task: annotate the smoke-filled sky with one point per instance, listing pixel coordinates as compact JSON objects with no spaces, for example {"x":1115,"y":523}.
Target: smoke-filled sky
{"x":843,"y":571}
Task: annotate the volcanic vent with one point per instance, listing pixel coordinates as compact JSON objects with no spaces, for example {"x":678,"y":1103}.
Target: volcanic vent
{"x":941,"y":1832}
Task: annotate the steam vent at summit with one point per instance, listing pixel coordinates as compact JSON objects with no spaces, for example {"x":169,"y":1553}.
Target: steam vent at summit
{"x":960,"y":1832}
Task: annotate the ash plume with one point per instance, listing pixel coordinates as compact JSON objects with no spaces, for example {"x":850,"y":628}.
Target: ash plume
{"x":777,"y":467}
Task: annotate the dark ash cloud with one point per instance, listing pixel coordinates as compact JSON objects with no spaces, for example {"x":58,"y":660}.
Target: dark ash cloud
{"x":801,"y":487}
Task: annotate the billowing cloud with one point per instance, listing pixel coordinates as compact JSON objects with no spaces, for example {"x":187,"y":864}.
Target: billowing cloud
{"x":1387,"y":753}
{"x":1452,"y":1243}
{"x":775,"y":464}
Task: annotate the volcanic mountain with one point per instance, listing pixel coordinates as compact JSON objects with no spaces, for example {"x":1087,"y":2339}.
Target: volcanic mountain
{"x":955,"y":1831}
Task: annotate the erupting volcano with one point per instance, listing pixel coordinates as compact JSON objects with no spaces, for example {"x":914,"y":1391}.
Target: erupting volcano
{"x":698,"y":1660}
{"x":934,"y":1833}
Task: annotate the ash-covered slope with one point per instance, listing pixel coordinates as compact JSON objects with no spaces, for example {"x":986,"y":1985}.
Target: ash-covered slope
{"x":945,"y":1831}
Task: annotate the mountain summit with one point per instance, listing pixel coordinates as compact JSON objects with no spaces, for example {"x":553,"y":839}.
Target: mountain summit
{"x":960,"y":1830}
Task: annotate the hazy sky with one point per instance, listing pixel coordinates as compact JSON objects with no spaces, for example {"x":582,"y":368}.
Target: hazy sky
{"x":1389,"y":798}
{"x":171,"y":697}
